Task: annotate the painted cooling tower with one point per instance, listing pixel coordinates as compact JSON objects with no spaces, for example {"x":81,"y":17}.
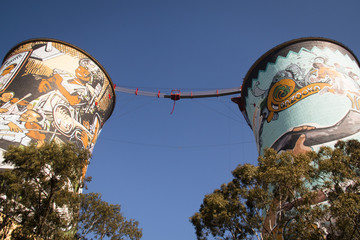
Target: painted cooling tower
{"x":303,"y":94}
{"x":299,"y":96}
{"x":52,"y":90}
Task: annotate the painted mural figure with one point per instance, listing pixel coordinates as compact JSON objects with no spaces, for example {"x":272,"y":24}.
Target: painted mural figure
{"x":76,"y":90}
{"x":88,"y":135}
{"x":80,"y":96}
{"x":340,"y":80}
{"x":6,"y":74}
{"x":60,"y":81}
{"x":22,"y":129}
{"x":51,"y":91}
{"x":11,"y":104}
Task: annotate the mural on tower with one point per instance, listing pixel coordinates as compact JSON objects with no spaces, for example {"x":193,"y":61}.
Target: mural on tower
{"x":305,"y":98}
{"x":51,"y":90}
{"x":299,"y":96}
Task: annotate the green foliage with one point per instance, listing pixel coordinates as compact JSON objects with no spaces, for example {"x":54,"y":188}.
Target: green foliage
{"x":41,"y":192}
{"x":287,"y":196}
{"x":41,"y":197}
{"x":105,"y":220}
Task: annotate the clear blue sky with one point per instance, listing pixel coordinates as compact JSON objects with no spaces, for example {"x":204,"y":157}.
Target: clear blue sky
{"x":156,"y":165}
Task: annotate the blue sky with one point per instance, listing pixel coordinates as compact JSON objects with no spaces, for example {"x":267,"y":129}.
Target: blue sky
{"x":156,"y":165}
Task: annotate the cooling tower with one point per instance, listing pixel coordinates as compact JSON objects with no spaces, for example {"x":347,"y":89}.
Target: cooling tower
{"x":51,"y":90}
{"x":303,"y":94}
{"x":299,"y":96}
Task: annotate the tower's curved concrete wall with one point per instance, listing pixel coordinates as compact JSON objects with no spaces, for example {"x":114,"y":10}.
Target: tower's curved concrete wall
{"x":52,"y":90}
{"x":303,"y":94}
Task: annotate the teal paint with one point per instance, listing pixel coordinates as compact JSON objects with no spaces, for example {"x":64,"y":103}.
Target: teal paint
{"x":306,"y":88}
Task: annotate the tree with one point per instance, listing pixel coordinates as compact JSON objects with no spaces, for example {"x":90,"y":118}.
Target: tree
{"x":41,"y":192}
{"x":40,"y":195}
{"x":287,"y":196}
{"x":104,"y":220}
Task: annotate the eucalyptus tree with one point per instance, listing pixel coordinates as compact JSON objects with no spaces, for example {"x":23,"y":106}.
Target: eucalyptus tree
{"x":306,"y":196}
